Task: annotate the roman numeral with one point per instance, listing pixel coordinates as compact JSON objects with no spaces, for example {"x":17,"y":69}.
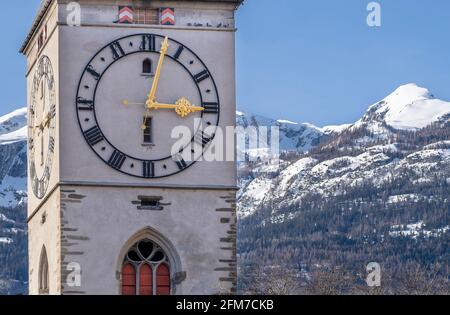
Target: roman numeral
{"x":181,"y":163}
{"x":46,"y":66}
{"x":117,"y":50}
{"x":94,"y":73}
{"x":51,"y":145}
{"x":46,"y":173}
{"x":117,"y":159}
{"x":210,"y":107}
{"x":38,"y":185}
{"x":51,"y":84}
{"x":31,"y":144}
{"x":178,"y":53}
{"x":32,"y":171}
{"x":94,"y":135}
{"x":53,"y":111}
{"x":202,"y":139}
{"x":148,"y":169}
{"x":85,"y":104}
{"x":201,"y":76}
{"x":41,"y":70}
{"x":35,"y":84}
{"x":148,"y":43}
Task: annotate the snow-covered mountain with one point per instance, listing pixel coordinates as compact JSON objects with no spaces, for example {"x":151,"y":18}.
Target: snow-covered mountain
{"x":297,"y":137}
{"x":409,"y":108}
{"x":374,"y":190}
{"x":13,"y":150}
{"x":369,"y":150}
{"x":13,"y":196}
{"x":13,"y":122}
{"x":384,"y":177}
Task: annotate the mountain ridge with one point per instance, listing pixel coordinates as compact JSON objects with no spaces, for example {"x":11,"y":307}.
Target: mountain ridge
{"x":375,"y":190}
{"x":395,"y":158}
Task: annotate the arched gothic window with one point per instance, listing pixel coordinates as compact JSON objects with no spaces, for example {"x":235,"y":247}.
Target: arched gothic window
{"x":146,"y":270}
{"x":43,"y":273}
{"x":147,"y":66}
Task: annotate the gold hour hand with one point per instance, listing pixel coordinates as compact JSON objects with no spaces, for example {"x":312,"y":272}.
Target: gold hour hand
{"x":46,"y":121}
{"x":163,"y":52}
{"x":182,"y":107}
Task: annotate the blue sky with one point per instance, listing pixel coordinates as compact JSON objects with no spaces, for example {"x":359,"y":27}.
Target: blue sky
{"x":303,"y":60}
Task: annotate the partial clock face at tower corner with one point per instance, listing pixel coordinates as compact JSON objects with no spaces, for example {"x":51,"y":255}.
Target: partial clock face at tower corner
{"x":131,"y":96}
{"x":41,"y":126}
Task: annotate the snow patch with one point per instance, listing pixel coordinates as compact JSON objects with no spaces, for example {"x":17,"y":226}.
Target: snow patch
{"x":415,"y":230}
{"x":6,"y":240}
{"x":15,"y":136}
{"x":13,"y":191}
{"x":335,"y":128}
{"x":283,"y":121}
{"x":13,"y":121}
{"x":4,"y":218}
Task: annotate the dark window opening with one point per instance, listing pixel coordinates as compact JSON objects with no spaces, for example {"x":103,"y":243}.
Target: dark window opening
{"x":147,"y":66}
{"x":158,"y":256}
{"x":150,"y":203}
{"x":145,"y":248}
{"x":133,"y":256}
{"x":148,"y":137}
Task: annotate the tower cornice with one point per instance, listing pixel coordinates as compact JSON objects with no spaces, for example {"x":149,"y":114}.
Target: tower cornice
{"x":45,"y":5}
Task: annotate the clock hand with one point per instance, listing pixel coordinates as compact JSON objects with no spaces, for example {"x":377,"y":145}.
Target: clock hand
{"x":164,"y":47}
{"x":173,"y":106}
{"x":157,"y":105}
{"x":144,"y":124}
{"x":40,"y":126}
{"x":182,"y":107}
{"x":127,"y":103}
{"x":46,"y":121}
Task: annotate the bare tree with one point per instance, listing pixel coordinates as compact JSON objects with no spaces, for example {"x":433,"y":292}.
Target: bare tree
{"x":274,"y":281}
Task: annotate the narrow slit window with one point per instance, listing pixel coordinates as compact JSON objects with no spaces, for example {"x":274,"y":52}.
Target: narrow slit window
{"x":148,"y":137}
{"x":43,"y":273}
{"x":147,"y":66}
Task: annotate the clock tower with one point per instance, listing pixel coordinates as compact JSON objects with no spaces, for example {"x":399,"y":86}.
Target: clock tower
{"x":125,"y":100}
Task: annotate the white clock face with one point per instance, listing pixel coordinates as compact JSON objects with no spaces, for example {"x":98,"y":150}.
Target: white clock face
{"x":131,"y":96}
{"x":41,"y":127}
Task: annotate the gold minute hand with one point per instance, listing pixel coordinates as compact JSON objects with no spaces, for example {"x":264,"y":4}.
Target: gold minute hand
{"x":163,"y":52}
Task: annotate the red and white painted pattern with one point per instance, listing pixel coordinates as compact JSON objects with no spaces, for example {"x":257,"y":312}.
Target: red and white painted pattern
{"x":126,"y":15}
{"x":168,"y":16}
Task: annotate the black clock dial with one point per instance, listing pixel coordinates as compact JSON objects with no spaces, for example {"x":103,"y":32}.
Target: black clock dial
{"x":41,"y":127}
{"x":134,"y":138}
